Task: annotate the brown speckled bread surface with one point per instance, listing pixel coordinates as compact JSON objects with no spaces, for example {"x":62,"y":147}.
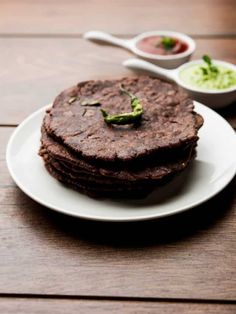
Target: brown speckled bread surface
{"x":81,"y":150}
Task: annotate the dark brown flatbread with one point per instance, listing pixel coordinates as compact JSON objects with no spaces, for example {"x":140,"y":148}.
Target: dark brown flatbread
{"x":146,"y":172}
{"x":82,"y":151}
{"x":101,"y":191}
{"x":79,"y":176}
{"x":168,"y":120}
{"x":98,"y":190}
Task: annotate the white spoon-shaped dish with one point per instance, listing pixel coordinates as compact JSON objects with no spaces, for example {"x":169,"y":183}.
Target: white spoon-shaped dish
{"x":212,"y":98}
{"x":166,"y":61}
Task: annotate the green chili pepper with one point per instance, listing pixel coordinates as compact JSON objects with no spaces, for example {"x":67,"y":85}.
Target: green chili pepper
{"x":211,"y":69}
{"x":125,"y":118}
{"x":168,"y":42}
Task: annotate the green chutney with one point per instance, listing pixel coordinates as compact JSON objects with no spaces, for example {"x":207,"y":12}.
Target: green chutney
{"x":199,"y":76}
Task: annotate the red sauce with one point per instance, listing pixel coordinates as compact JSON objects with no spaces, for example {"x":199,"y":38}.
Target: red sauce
{"x":154,"y":45}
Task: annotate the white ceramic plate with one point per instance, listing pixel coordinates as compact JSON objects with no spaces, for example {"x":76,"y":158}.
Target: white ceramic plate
{"x":212,"y":170}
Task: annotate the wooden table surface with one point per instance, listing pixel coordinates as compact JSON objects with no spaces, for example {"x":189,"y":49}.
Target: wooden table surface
{"x":51,"y":263}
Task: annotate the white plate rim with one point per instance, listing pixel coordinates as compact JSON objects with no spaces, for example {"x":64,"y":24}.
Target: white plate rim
{"x":108,"y":218}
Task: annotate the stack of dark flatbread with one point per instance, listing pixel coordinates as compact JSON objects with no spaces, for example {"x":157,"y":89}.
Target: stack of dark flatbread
{"x":105,"y":160}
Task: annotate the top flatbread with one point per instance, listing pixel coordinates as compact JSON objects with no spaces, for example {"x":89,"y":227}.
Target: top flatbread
{"x":168,"y":121}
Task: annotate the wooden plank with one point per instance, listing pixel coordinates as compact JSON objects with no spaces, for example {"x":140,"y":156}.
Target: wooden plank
{"x":5,"y":179}
{"x":190,"y":256}
{"x":35,"y":70}
{"x":42,"y":306}
{"x":120,"y":17}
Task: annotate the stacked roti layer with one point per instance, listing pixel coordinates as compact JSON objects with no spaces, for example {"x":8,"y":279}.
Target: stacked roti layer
{"x":105,"y":160}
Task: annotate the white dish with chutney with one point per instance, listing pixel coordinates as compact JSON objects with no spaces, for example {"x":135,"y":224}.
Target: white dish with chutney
{"x":212,"y":83}
{"x":164,"y":48}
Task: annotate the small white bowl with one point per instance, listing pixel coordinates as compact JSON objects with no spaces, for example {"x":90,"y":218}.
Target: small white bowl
{"x":212,"y":98}
{"x":166,"y":61}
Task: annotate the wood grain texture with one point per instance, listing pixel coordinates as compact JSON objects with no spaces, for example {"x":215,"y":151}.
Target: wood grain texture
{"x":120,"y":17}
{"x":5,"y":179}
{"x":80,"y":266}
{"x":187,"y":256}
{"x":42,"y":306}
{"x":35,"y":70}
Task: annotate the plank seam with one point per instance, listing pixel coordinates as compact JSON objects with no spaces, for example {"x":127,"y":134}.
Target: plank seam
{"x":80,"y":36}
{"x":115,"y":298}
